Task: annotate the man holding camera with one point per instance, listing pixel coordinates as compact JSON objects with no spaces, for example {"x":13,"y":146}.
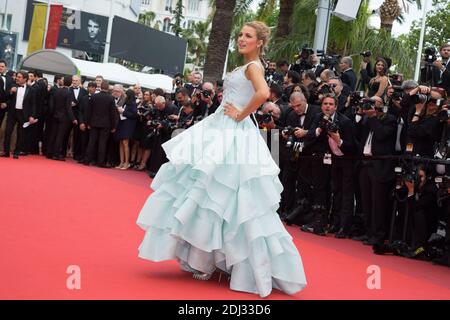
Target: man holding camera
{"x":425,"y":127}
{"x":161,"y":116}
{"x":441,"y":69}
{"x":204,"y":100}
{"x":296,"y":170}
{"x":330,"y":137}
{"x":376,"y":132}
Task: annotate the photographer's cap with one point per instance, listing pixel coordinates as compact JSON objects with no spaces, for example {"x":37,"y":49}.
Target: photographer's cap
{"x":410,"y":84}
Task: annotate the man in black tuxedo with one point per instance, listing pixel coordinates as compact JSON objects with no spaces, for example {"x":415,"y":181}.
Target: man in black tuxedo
{"x":330,"y":135}
{"x":317,"y":68}
{"x":63,"y":119}
{"x":82,"y":112}
{"x":296,"y":172}
{"x":58,"y":82}
{"x":441,"y":69}
{"x":195,"y":84}
{"x":77,"y":92}
{"x":6,"y":83}
{"x":376,"y":133}
{"x":36,"y":133}
{"x":348,"y":76}
{"x":272,"y":76}
{"x":21,"y":109}
{"x":101,"y":119}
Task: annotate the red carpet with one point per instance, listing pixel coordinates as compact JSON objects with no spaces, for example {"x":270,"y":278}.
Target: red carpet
{"x":57,"y":214}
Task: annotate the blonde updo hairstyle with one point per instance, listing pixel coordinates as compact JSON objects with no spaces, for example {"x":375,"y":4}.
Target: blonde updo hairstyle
{"x":262,"y":33}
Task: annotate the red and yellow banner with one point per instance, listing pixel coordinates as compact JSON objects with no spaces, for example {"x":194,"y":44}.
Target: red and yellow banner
{"x":54,"y":21}
{"x":37,"y":30}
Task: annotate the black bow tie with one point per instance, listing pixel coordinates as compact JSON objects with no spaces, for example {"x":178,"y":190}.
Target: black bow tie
{"x":21,"y":86}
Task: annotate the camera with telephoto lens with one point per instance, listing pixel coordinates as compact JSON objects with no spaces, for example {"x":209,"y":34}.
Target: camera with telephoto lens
{"x":430,"y":55}
{"x":263,"y":118}
{"x":355,"y":98}
{"x":366,"y":54}
{"x":327,"y":125}
{"x":206,"y":93}
{"x":303,"y":59}
{"x":147,"y":112}
{"x":398,"y":93}
{"x":396,"y":79}
{"x":366,"y":104}
{"x":420,"y":98}
{"x":330,"y":62}
{"x":289,"y":131}
{"x":408,"y":172}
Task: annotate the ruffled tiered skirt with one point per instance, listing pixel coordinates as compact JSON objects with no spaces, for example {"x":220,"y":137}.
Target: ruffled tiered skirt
{"x":214,"y":206}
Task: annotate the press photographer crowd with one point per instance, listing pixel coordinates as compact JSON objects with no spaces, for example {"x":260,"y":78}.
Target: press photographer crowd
{"x":365,"y":159}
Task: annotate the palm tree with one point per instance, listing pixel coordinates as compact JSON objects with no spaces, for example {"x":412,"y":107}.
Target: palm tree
{"x":197,"y":39}
{"x":390,"y":11}
{"x":147,"y":18}
{"x":284,"y":19}
{"x":219,"y":39}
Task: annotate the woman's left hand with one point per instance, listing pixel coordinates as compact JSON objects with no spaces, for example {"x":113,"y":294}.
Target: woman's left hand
{"x":231,"y":111}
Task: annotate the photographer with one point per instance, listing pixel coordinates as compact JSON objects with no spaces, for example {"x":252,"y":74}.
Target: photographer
{"x":365,"y":70}
{"x":400,"y":111}
{"x":185,"y":118}
{"x":204,"y":101}
{"x":337,"y":87}
{"x":276,"y":96}
{"x":177,"y":82}
{"x":272,"y":76}
{"x":441,"y":69}
{"x":296,"y":170}
{"x":331,"y":134}
{"x":348,"y":76}
{"x":425,"y":126}
{"x":309,"y":80}
{"x":268,"y":117}
{"x":162,"y":134}
{"x":420,"y":191}
{"x":303,"y":61}
{"x":181,"y":96}
{"x":376,"y":137}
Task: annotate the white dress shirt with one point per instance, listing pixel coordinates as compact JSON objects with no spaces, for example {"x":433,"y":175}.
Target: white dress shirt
{"x":19,"y":97}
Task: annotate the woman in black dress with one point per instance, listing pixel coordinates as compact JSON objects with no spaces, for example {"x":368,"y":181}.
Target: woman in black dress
{"x":125,"y":129}
{"x":379,"y":83}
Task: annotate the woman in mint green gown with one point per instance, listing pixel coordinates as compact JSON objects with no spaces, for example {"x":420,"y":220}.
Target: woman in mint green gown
{"x":214,"y":203}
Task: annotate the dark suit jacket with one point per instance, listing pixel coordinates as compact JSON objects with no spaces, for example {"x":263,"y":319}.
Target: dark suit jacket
{"x":83,"y":92}
{"x":84,"y":105}
{"x":349,"y":78}
{"x":442,"y":81}
{"x":29,"y":107}
{"x":423,"y":134}
{"x":4,"y":92}
{"x":40,"y":95}
{"x":383,"y":142}
{"x":320,"y":144}
{"x":62,"y":102}
{"x":102,"y":112}
{"x":294,"y":120}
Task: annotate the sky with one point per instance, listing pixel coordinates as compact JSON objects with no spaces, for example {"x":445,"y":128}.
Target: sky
{"x":397,"y":29}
